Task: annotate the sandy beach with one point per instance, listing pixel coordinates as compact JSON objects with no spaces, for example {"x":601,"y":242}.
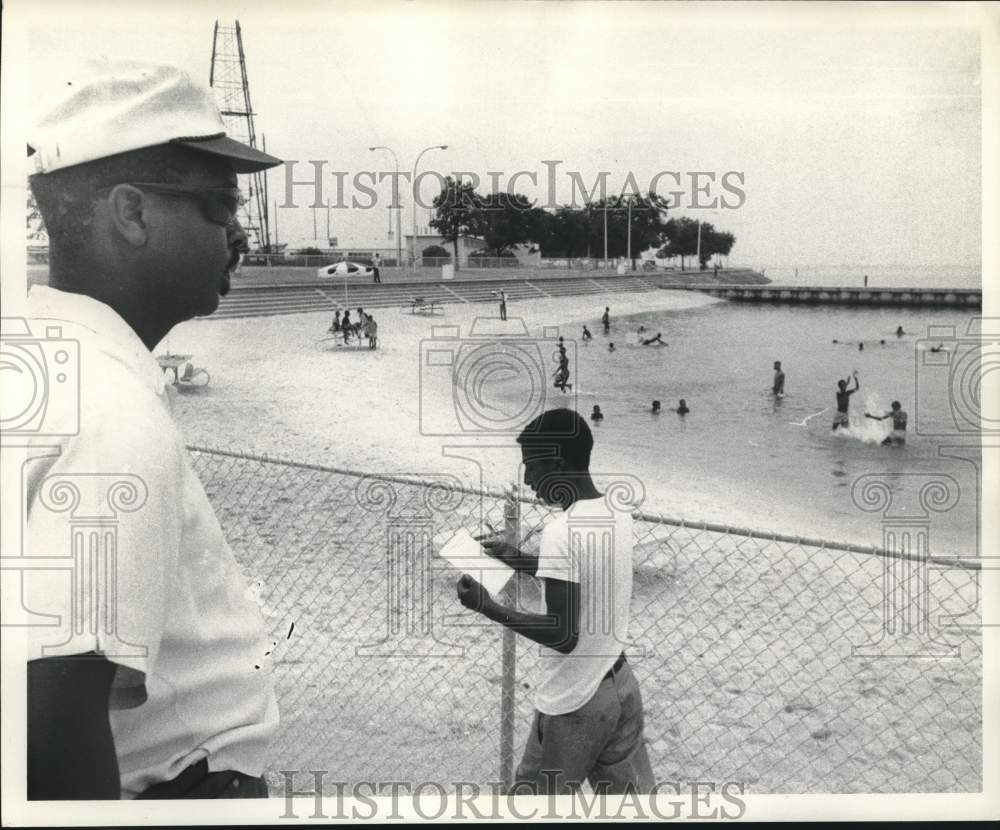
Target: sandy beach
{"x":279,"y":388}
{"x":743,"y":647}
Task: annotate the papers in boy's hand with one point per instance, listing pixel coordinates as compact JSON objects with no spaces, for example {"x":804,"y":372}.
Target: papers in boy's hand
{"x":466,"y":554}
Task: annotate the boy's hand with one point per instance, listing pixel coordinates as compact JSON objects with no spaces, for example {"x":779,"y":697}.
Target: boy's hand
{"x":498,"y":547}
{"x":471,"y":594}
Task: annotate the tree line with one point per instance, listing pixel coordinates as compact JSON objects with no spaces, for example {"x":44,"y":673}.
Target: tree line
{"x":505,"y":220}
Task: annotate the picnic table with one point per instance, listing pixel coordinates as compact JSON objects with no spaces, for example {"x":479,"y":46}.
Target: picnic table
{"x":418,"y":305}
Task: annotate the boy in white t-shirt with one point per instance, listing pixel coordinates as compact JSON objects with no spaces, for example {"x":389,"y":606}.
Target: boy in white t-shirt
{"x":588,"y":721}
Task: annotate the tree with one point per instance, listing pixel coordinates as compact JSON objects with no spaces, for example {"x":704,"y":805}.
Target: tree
{"x":456,"y":212}
{"x":435,"y":252}
{"x":682,"y":235}
{"x":682,"y":239}
{"x":506,"y":220}
{"x":573,"y":232}
{"x":714,"y":242}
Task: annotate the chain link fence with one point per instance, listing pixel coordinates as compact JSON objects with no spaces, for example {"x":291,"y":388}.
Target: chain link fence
{"x":790,"y":665}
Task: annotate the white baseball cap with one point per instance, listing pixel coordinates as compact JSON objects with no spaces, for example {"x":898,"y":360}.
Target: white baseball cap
{"x":116,"y":107}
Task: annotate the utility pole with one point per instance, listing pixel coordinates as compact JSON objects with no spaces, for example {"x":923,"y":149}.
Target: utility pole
{"x":629,"y":235}
{"x":276,"y":244}
{"x":698,"y":254}
{"x":605,"y":231}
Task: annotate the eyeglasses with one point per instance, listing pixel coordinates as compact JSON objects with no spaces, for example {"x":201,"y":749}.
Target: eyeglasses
{"x":219,"y":204}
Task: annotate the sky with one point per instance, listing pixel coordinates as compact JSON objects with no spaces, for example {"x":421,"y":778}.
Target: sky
{"x":855,"y":129}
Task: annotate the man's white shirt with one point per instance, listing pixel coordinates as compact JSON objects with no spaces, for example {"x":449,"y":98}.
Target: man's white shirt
{"x":151,"y":583}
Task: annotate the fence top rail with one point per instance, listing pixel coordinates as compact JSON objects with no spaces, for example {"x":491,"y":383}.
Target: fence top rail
{"x":956,"y":561}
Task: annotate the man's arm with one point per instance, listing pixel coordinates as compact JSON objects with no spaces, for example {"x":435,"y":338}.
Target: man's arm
{"x":71,"y":752}
{"x":559,"y":629}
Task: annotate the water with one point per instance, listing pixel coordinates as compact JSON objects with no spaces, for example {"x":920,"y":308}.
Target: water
{"x":741,"y":457}
{"x":879,"y":276}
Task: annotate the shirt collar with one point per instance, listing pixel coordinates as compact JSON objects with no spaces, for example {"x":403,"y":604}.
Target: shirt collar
{"x":115,"y":337}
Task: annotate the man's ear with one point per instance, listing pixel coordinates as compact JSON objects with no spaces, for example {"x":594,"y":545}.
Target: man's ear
{"x":125,"y":207}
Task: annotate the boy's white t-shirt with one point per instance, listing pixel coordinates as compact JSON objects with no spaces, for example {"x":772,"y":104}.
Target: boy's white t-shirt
{"x":590,"y":544}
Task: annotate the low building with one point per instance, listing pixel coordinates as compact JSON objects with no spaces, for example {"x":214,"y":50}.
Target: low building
{"x":466,"y":245}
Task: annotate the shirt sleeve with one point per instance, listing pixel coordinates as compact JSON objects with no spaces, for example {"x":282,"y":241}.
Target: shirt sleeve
{"x":109,"y":505}
{"x":557,"y":559}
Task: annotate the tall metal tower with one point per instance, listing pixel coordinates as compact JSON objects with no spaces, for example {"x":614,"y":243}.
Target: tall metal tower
{"x":228,"y":77}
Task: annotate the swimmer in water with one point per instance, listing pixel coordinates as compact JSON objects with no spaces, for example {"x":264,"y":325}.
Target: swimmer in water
{"x":936,"y":348}
{"x":641,"y":330}
{"x":861,"y":347}
{"x":654,"y":341}
{"x":562,"y":373}
{"x":778,"y":388}
{"x":656,"y":408}
{"x":842,"y":419}
{"x":881,"y":342}
{"x":682,"y":407}
{"x":897,"y":437}
{"x":899,"y":331}
{"x":561,"y":379}
{"x":611,"y":347}
{"x":586,"y":334}
{"x":596,"y":415}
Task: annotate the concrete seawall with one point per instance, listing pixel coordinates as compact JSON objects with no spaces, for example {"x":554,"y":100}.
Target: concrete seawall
{"x":824,"y":295}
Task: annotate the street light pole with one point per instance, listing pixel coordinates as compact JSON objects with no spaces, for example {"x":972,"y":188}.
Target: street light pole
{"x":415,"y":165}
{"x":629,"y":243}
{"x":398,"y":204}
{"x":605,"y":232}
{"x":698,"y":253}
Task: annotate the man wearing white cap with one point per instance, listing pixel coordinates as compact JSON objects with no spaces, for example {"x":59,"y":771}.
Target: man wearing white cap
{"x":154,"y":682}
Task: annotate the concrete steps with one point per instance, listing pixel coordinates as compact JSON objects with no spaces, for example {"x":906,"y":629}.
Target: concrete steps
{"x":264,"y":301}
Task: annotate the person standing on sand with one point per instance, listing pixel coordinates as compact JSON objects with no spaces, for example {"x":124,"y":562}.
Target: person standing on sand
{"x":778,"y":387}
{"x":376,"y":264}
{"x":606,"y":319}
{"x":155,"y":685}
{"x":588,"y":721}
{"x":503,"y":304}
{"x":842,"y":419}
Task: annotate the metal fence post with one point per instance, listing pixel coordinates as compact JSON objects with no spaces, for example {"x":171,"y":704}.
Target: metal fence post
{"x":508,"y":658}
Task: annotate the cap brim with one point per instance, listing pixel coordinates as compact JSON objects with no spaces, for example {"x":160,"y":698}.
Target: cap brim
{"x":245,"y":159}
